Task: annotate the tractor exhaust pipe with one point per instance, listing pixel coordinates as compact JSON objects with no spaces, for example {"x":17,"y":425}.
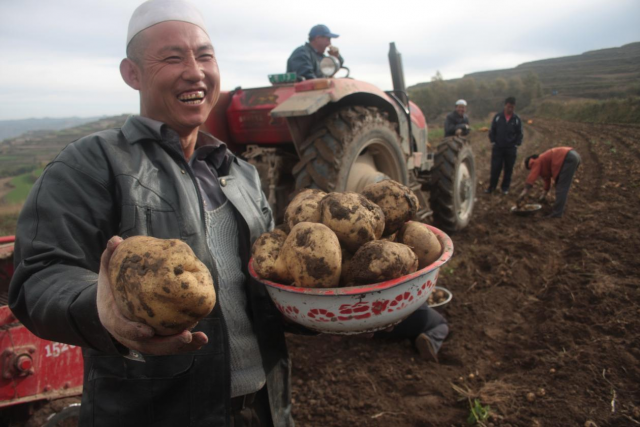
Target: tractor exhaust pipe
{"x":397,"y":74}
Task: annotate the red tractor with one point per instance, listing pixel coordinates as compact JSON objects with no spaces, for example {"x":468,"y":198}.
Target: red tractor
{"x":41,"y":380}
{"x":340,"y":134}
{"x":335,"y":134}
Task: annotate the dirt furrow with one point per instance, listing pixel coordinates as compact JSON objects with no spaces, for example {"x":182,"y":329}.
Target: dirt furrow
{"x":538,"y":304}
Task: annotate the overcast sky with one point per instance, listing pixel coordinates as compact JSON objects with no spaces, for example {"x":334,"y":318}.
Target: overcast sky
{"x":60,"y":58}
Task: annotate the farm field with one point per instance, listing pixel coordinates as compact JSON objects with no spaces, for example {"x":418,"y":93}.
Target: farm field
{"x":538,"y":303}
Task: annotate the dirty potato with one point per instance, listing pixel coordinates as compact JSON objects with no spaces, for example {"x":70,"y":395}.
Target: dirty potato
{"x":381,"y":260}
{"x":423,"y":242}
{"x":355,"y":219}
{"x":161,"y":283}
{"x":304,"y":208}
{"x":345,"y":279}
{"x":310,"y":257}
{"x":265,"y":253}
{"x":397,"y":201}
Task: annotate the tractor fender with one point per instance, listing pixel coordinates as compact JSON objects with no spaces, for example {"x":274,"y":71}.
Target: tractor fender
{"x":309,"y":105}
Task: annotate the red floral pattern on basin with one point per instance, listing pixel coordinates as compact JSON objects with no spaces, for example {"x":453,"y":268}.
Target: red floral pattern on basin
{"x":364,"y":310}
{"x":321,"y":315}
{"x":289,"y":311}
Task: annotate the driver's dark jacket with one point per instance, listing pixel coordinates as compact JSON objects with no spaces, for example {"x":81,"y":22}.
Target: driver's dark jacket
{"x":455,"y":121}
{"x":305,"y":62}
{"x":128,"y":182}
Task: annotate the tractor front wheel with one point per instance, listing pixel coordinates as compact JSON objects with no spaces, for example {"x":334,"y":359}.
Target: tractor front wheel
{"x":453,"y":184}
{"x":349,"y":149}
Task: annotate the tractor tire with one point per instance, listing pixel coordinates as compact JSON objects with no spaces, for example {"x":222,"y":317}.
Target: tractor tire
{"x":64,"y":412}
{"x":352,"y":147}
{"x":453,"y":184}
{"x":68,"y":417}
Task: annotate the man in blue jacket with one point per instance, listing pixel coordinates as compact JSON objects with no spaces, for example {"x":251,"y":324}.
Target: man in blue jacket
{"x":305,"y":60}
{"x":505,"y":136}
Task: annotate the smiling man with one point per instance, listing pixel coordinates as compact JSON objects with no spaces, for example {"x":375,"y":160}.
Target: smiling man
{"x":157,"y":176}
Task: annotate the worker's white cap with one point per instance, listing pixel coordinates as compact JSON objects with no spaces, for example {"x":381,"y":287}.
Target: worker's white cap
{"x":153,"y":12}
{"x":461,"y":102}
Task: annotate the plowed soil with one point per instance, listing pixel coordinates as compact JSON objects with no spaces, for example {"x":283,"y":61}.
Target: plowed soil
{"x":538,"y":303}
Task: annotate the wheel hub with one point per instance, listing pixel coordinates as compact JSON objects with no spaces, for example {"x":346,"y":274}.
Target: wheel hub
{"x":464,"y":190}
{"x":374,"y":164}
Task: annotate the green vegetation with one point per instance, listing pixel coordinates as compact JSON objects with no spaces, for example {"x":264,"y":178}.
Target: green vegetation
{"x":439,"y":96}
{"x":436,"y":134}
{"x":34,"y":149}
{"x":21,"y":186}
{"x":9,"y":219}
{"x":478,"y":413}
{"x":599,"y":75}
{"x":625,"y":110}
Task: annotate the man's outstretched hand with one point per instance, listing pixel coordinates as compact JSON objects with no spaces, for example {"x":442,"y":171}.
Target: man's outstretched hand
{"x":134,"y":335}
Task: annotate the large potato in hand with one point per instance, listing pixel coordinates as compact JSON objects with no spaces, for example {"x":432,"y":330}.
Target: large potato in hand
{"x":381,"y":260}
{"x":310,"y":257}
{"x":355,"y":219}
{"x":397,"y":201}
{"x":161,"y":283}
{"x":305,"y":207}
{"x":265,"y":252}
{"x":424,"y":243}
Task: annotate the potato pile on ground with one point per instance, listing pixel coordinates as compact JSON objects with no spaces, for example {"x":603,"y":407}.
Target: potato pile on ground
{"x":161,"y":283}
{"x":336,"y":239}
{"x":437,"y":297}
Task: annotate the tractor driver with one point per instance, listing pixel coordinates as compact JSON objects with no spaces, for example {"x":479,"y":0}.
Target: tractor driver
{"x":156,"y":176}
{"x":305,"y":60}
{"x":457,"y":122}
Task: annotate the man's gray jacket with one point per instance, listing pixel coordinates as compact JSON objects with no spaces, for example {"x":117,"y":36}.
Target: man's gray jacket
{"x":305,"y":62}
{"x":129,"y":182}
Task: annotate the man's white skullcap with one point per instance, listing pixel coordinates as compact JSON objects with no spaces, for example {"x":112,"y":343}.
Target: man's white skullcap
{"x":153,"y":12}
{"x":461,"y":102}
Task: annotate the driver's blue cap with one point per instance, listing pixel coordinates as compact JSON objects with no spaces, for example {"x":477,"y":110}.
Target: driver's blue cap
{"x":321,"y":30}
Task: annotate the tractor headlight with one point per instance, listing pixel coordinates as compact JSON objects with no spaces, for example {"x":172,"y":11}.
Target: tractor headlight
{"x":329,"y":66}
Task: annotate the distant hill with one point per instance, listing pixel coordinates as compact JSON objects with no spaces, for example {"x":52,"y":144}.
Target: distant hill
{"x":33,"y":149}
{"x":11,"y":128}
{"x":598,"y":74}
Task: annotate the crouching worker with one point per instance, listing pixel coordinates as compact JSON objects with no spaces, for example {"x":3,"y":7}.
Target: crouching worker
{"x":426,"y":328}
{"x":558,"y":163}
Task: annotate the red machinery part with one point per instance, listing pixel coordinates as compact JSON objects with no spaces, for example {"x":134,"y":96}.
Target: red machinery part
{"x":24,"y":364}
{"x":35,"y":369}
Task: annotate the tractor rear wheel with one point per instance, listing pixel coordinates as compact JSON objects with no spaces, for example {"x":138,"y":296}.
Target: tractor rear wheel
{"x":349,"y":149}
{"x":453,"y":184}
{"x":64,"y":412}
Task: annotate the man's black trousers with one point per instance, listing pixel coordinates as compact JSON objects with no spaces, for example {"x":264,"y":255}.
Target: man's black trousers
{"x":502,"y":158}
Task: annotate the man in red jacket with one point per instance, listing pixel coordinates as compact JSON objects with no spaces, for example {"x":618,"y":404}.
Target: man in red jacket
{"x":559,"y":163}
